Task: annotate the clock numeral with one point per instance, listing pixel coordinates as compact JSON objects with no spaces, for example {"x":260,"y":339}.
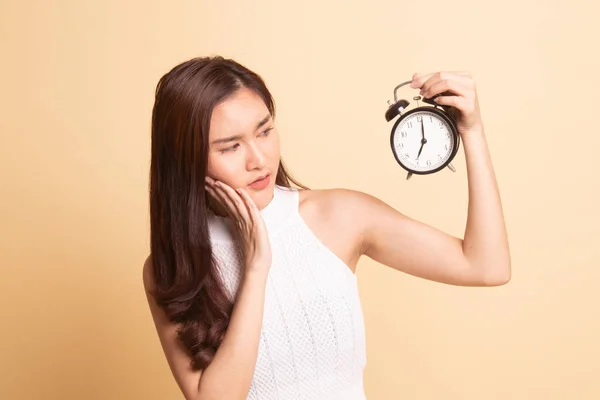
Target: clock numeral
{"x":428,"y":163}
{"x":409,"y":124}
{"x":441,"y":125}
{"x":405,"y":155}
{"x":403,"y":134}
{"x":439,"y":157}
{"x":430,"y":118}
{"x":419,"y":118}
{"x":401,"y":146}
{"x":446,"y":147}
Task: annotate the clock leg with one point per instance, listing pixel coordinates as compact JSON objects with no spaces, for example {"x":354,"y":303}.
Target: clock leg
{"x":451,"y":167}
{"x":409,"y":175}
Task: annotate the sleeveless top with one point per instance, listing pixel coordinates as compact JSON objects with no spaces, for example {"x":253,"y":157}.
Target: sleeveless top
{"x":312,"y":342}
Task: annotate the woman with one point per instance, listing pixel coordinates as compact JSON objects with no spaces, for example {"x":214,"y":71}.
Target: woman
{"x":250,"y":281}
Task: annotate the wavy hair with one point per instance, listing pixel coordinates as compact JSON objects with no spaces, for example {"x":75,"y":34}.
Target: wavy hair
{"x":187,"y":284}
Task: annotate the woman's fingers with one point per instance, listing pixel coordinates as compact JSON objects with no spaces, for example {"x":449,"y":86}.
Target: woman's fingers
{"x":425,"y":82}
{"x":249,"y":223}
{"x":229,"y":198}
{"x":218,"y":194}
{"x":419,"y":79}
{"x":253,"y":211}
{"x":220,"y":204}
{"x":239,"y":206}
{"x":457,"y":90}
{"x":448,"y":87}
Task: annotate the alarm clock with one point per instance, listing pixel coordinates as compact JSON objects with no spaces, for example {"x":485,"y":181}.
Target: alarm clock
{"x":425,"y":139}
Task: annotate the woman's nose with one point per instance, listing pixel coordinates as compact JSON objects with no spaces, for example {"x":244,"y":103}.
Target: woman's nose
{"x":256,"y":158}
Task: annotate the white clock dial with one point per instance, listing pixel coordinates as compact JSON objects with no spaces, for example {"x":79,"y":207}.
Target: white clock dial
{"x":435,"y":150}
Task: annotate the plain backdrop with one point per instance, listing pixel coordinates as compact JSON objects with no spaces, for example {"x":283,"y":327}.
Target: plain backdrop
{"x":77,"y":86}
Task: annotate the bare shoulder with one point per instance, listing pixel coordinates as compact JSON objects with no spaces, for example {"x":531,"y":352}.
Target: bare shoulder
{"x":321,"y":203}
{"x":337,"y":216}
{"x":148,"y":275}
{"x":338,"y":202}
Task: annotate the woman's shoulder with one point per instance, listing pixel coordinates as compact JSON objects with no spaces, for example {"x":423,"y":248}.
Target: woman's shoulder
{"x":337,"y":206}
{"x":332,"y":200}
{"x":148,"y":274}
{"x":338,"y":217}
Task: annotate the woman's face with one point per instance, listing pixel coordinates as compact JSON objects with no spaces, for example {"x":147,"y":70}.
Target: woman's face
{"x":244,"y":146}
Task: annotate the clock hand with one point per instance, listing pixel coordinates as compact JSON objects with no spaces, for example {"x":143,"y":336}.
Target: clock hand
{"x":421,"y":149}
{"x":423,"y":140}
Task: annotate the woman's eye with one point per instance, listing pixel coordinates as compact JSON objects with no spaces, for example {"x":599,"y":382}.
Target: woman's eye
{"x":235,"y":146}
{"x":266,"y":131}
{"x":232,"y":148}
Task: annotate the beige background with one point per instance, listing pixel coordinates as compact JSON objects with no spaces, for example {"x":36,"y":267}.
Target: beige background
{"x":78,"y":79}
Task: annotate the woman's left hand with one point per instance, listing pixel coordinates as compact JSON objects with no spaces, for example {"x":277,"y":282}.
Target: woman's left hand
{"x":461,"y":96}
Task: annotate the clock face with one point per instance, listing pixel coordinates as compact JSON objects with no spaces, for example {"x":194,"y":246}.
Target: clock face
{"x":423,"y":141}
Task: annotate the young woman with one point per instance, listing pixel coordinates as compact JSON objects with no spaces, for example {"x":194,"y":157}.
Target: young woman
{"x":251,"y":281}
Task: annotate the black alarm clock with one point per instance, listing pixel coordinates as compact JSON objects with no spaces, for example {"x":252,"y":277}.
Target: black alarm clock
{"x":425,"y":139}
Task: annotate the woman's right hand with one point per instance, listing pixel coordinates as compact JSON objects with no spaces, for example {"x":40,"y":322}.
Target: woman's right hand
{"x":248,"y":221}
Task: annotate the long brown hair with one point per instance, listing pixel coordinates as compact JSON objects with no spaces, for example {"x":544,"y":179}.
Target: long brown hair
{"x":187,"y":283}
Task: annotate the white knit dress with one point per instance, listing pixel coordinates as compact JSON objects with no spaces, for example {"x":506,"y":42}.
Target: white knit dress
{"x":312,"y":343}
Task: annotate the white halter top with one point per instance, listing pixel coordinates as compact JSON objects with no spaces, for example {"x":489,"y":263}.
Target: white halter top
{"x":312,"y":343}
